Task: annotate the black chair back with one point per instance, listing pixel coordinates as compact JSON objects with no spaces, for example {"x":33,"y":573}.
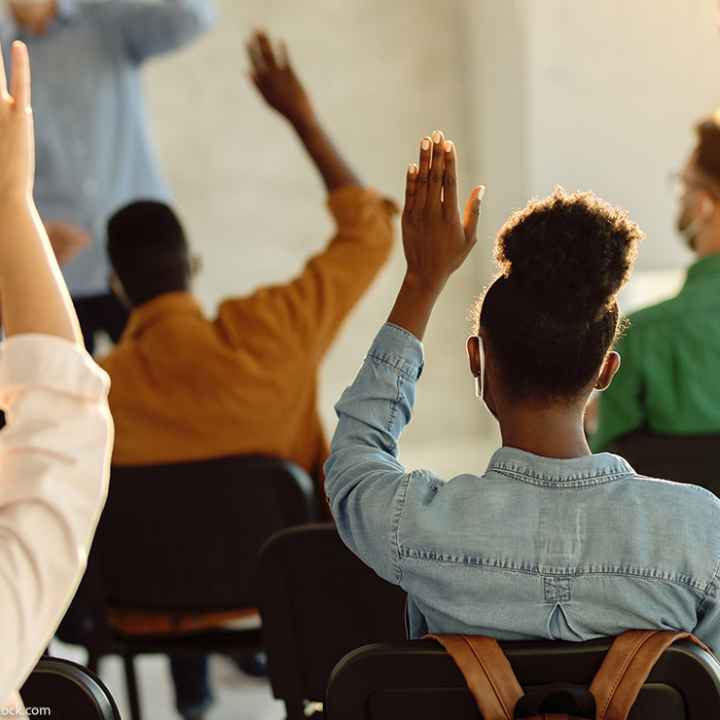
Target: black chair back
{"x":420,"y":680}
{"x":63,"y":689}
{"x":318,"y":601}
{"x":187,"y":536}
{"x":184,"y":537}
{"x":682,"y":458}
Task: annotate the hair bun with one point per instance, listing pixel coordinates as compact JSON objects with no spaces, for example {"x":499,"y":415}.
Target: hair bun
{"x":568,"y":254}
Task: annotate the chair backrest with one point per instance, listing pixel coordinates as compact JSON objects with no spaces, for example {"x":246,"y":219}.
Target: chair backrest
{"x":682,"y":458}
{"x":184,"y":537}
{"x":63,"y":689}
{"x":318,"y":601}
{"x":187,"y":536}
{"x":419,"y":680}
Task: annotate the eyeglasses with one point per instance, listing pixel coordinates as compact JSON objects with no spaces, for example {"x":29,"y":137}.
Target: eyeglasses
{"x":679,"y":183}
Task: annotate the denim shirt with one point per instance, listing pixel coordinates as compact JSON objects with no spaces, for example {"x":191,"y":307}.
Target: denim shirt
{"x":533,"y":548}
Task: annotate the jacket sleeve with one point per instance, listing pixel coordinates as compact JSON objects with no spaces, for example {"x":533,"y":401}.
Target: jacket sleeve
{"x":365,"y":483}
{"x":147,"y":29}
{"x":308,"y":311}
{"x":708,"y":627}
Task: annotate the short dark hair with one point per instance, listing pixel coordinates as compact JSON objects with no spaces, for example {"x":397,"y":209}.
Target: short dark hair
{"x":148,"y":250}
{"x":707,"y":152}
{"x":551,"y":315}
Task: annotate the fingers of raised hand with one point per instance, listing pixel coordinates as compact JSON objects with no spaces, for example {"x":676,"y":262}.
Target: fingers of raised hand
{"x":410,"y":188}
{"x":437,"y":171}
{"x":4,"y":95}
{"x":262,"y":56}
{"x":472,"y":214}
{"x":255,"y":56}
{"x":283,"y":55}
{"x":266,"y":50}
{"x":423,"y":174}
{"x":450,"y":201}
{"x":20,"y":83}
{"x":18,"y":96}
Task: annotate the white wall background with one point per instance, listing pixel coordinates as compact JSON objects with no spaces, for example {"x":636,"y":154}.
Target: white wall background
{"x":599,"y":94}
{"x":613,"y":95}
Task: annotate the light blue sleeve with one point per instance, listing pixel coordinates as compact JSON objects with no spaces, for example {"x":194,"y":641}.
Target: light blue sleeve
{"x":364,"y":481}
{"x":708,"y":627}
{"x":153,"y":28}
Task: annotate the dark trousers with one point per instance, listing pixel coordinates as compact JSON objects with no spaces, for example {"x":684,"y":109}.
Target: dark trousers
{"x":100,"y":313}
{"x":192,"y":685}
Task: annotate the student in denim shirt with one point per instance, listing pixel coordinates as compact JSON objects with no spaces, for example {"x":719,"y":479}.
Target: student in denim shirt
{"x":551,"y":541}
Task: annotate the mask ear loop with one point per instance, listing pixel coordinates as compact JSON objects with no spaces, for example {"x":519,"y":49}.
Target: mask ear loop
{"x":480,"y":377}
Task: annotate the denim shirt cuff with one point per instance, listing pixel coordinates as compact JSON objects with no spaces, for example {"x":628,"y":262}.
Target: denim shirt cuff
{"x":400,"y":349}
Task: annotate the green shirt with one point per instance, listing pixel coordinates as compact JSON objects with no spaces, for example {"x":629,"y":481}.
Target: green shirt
{"x":669,"y":379}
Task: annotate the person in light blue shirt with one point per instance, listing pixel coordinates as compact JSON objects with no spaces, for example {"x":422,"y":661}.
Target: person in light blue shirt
{"x":94,"y":153}
{"x":550,"y":541}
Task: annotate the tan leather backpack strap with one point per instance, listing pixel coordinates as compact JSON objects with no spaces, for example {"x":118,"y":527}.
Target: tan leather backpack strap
{"x":626,"y":668}
{"x":487,"y":672}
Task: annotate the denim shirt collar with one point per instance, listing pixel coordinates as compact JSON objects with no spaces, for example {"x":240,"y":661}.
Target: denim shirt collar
{"x":577,"y":472}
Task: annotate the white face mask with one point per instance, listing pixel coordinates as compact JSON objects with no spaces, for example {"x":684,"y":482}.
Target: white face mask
{"x":480,"y":377}
{"x":690,"y":232}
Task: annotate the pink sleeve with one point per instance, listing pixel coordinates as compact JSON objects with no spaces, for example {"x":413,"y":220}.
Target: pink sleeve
{"x":54,"y":464}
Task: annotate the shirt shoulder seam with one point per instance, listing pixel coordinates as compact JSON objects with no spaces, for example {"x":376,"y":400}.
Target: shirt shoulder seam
{"x":400,"y":498}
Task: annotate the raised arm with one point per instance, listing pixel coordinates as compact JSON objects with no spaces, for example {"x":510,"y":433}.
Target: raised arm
{"x":308,"y":311}
{"x":365,"y":484}
{"x":55,"y":449}
{"x":153,"y":28}
{"x":435,"y":239}
{"x":34,"y":296}
{"x":275,"y":79}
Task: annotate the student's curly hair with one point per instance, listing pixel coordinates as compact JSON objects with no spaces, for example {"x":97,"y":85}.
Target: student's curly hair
{"x":551,"y":314}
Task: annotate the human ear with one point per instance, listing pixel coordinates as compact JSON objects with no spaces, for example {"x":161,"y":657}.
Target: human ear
{"x":473,"y":352}
{"x":610,"y":366}
{"x":707,"y":205}
{"x":195,"y":265}
{"x":476,"y":356}
{"x":118,"y":290}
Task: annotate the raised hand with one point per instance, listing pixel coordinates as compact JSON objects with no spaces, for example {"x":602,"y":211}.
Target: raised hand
{"x":274,"y":77}
{"x":436,"y":241}
{"x":34,"y":296}
{"x":17,"y":157}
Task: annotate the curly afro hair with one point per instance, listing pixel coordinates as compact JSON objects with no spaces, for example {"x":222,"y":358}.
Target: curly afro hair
{"x":551,"y":315}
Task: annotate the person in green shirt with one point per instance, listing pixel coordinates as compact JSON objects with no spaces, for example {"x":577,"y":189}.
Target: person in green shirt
{"x":669,"y":380}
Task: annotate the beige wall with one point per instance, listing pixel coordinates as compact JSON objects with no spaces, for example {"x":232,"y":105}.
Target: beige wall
{"x":596,"y":95}
{"x":593,"y":95}
{"x":614,"y":93}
